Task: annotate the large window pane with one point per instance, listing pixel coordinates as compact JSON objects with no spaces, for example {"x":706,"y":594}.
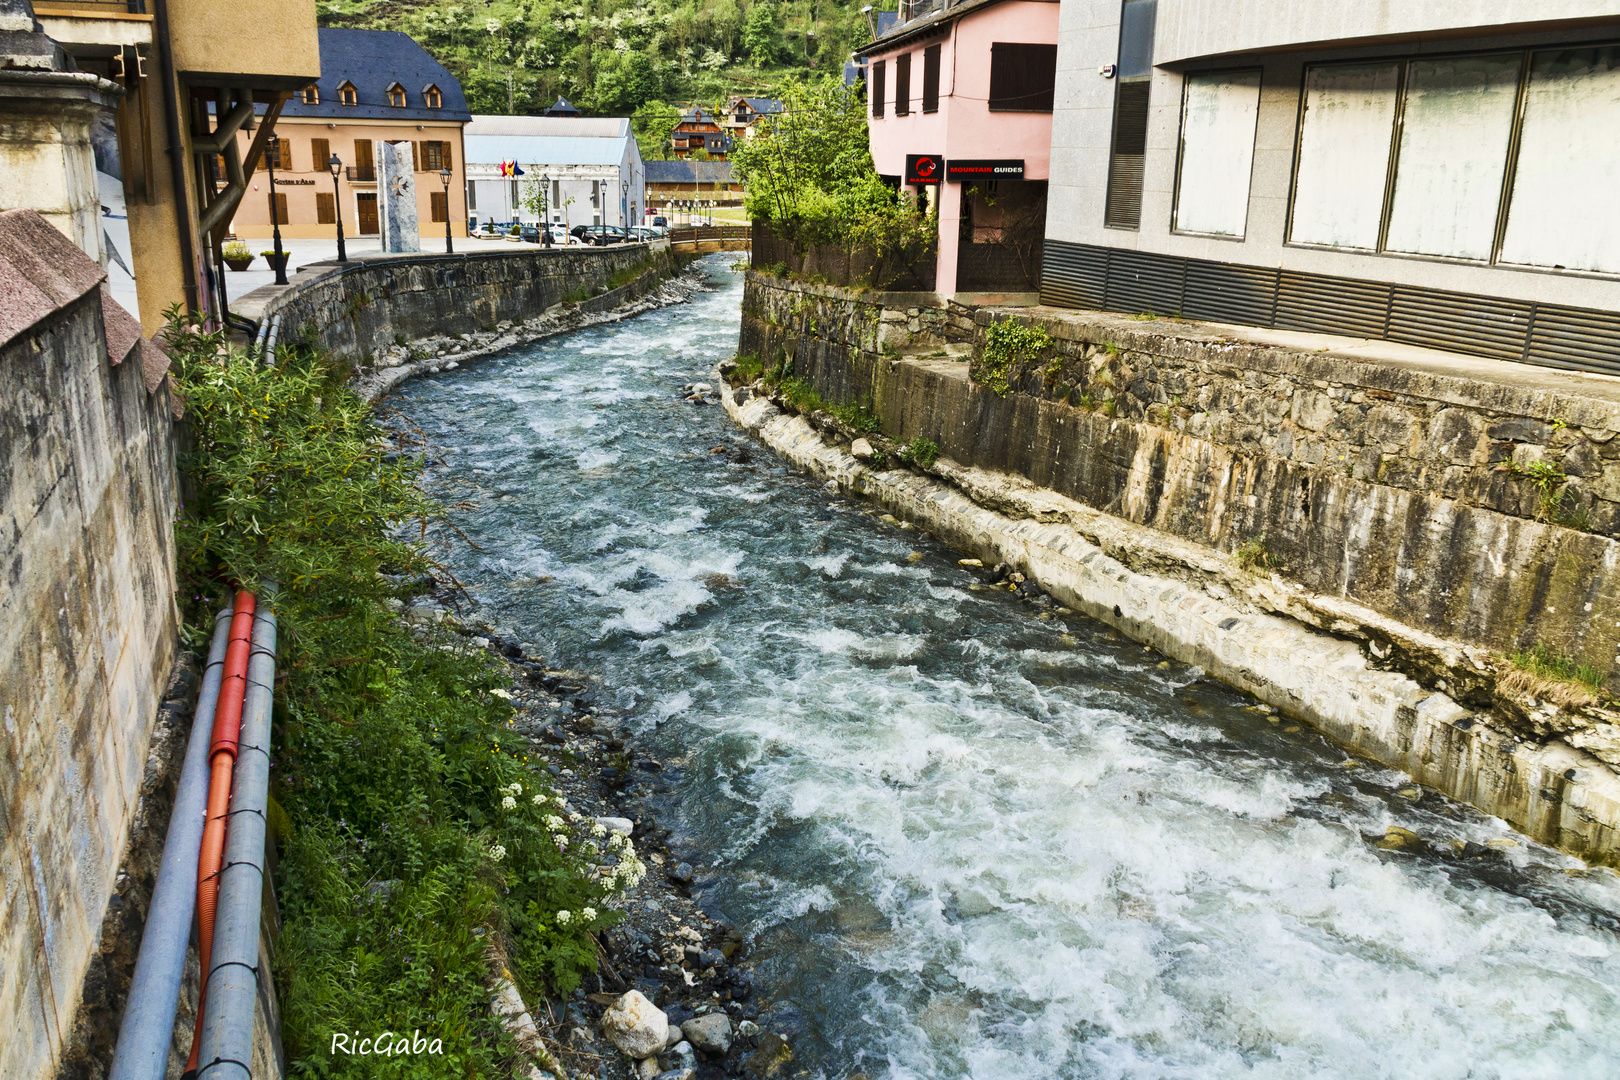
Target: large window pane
{"x":1217,"y":152}
{"x":1565,"y":209}
{"x":1344,"y":154}
{"x":1454,"y":146}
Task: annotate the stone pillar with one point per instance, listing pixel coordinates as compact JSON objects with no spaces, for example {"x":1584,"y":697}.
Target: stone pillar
{"x":396,"y":198}
{"x":47,"y":162}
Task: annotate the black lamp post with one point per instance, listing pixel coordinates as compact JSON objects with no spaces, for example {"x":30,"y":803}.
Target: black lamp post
{"x":444,"y":177}
{"x":545,"y":209}
{"x":272,"y":152}
{"x":336,"y":165}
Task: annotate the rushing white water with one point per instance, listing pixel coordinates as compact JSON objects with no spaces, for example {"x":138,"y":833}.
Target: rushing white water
{"x":968,"y":840}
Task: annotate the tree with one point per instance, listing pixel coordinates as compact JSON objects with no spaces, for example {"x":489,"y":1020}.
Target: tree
{"x":762,"y":35}
{"x":809,"y":171}
{"x":619,"y":90}
{"x":652,"y":123}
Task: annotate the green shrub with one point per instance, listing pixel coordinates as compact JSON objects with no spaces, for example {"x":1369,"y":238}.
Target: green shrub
{"x":1254,"y":555}
{"x":1007,"y":344}
{"x":920,"y":451}
{"x":858,"y":416}
{"x":407,"y":813}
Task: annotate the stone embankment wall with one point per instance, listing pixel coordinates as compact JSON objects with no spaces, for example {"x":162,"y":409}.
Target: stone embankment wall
{"x":362,"y":310}
{"x":1148,"y":473}
{"x":88,"y":623}
{"x":1427,"y":497}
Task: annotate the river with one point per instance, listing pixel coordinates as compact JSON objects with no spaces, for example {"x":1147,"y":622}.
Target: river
{"x":967,"y":840}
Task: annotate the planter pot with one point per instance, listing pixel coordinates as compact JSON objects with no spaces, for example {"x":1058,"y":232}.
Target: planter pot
{"x":239,"y":264}
{"x":271,"y":260}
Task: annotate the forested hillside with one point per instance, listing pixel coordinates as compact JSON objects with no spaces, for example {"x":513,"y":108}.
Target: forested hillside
{"x":618,"y":57}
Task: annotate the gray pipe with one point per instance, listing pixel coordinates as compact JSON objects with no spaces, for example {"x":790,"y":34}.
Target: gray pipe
{"x":274,"y":332}
{"x":233,"y":982}
{"x":154,"y":992}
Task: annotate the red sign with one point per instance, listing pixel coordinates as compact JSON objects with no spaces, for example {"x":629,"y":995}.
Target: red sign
{"x":924,"y":168}
{"x":960,"y":169}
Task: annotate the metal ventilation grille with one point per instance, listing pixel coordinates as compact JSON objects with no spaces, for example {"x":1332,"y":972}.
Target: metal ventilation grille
{"x":1119,"y":279}
{"x":1141,"y":281}
{"x":1460,"y":322}
{"x":1223,"y":292}
{"x":1331,"y":305}
{"x":1073,"y":275}
{"x":1124,"y":210}
{"x":1574,"y":338}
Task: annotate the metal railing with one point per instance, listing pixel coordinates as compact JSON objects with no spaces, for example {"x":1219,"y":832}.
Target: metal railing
{"x":361,"y":172}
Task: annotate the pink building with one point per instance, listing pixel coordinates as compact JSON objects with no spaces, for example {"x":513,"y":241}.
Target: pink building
{"x":960,"y":102}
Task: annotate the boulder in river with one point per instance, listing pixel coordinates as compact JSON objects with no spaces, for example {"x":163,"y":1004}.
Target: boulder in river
{"x":636,"y":1026}
{"x":862,"y":450}
{"x":766,"y":1062}
{"x":709,"y":1034}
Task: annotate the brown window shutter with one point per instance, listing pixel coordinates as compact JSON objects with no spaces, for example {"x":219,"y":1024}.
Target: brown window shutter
{"x":930,"y":93}
{"x":878,"y":89}
{"x":1022,"y":77}
{"x":320,"y":152}
{"x":439,"y":206}
{"x":445,"y":149}
{"x":416,"y":156}
{"x":902,"y":85}
{"x":325,"y":208}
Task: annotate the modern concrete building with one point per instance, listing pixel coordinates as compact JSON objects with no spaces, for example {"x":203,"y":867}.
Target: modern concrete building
{"x":375,"y":86}
{"x":960,"y":101}
{"x":1442,"y":174}
{"x":577,"y":170}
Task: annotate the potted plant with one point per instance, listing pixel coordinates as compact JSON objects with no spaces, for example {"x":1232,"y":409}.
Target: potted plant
{"x":514,"y":234}
{"x":237,"y":256}
{"x":270,"y":257}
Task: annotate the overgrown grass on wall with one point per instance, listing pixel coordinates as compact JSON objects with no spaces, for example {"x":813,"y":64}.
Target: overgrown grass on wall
{"x":411,"y":824}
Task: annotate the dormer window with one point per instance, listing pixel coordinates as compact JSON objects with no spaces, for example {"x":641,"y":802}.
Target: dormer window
{"x":432,"y":98}
{"x":347,"y":94}
{"x":312,"y":96}
{"x":396,"y":95}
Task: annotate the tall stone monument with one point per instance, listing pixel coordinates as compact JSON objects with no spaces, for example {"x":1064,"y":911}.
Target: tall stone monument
{"x":396,"y":198}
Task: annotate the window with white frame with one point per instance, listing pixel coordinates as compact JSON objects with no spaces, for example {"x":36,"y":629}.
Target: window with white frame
{"x":1496,"y":158}
{"x":1218,"y":116}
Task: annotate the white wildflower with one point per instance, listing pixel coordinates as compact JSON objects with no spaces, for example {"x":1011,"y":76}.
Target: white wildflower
{"x":553,"y":823}
{"x":497,"y":852}
{"x":560,"y":801}
{"x":598,"y":829}
{"x":509,"y":803}
{"x":563,"y":917}
{"x":498,"y":692}
{"x":539,"y":799}
{"x":492,"y":26}
{"x":615,"y":840}
{"x":588,"y":914}
{"x":562,"y":842}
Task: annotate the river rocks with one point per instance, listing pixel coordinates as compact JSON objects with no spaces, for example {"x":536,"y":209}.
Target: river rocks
{"x":620,"y":825}
{"x":636,"y":1026}
{"x":682,"y":873}
{"x":710,"y":1034}
{"x":1395,"y":838}
{"x":727,"y":367}
{"x":682,"y":1056}
{"x":766,"y":1062}
{"x":862,"y":450}
{"x":647,"y":1069}
{"x":971,"y":564}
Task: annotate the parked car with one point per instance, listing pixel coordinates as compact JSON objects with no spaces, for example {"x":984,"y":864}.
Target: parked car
{"x":604,"y":234}
{"x":530,"y":233}
{"x":661,"y":221}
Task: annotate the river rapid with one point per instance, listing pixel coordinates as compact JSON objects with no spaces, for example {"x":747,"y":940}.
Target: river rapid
{"x":964,"y":839}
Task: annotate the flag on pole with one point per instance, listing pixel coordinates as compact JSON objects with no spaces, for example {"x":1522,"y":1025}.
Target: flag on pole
{"x":510,"y":168}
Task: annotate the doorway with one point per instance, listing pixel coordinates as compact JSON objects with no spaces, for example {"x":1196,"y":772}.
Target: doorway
{"x":366,"y":209}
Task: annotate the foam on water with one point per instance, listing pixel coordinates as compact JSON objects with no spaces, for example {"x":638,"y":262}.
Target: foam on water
{"x":966,"y":841}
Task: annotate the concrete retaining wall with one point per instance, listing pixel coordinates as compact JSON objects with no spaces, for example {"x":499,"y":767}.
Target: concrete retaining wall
{"x":87,"y":639}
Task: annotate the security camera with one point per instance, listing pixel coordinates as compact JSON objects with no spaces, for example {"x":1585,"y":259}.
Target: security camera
{"x":1106,"y":71}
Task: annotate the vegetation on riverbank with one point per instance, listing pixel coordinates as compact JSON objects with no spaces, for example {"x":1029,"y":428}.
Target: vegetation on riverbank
{"x":410,"y":824}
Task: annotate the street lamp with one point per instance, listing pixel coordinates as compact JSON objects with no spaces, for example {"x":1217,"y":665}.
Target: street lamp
{"x":336,"y":165}
{"x":624,"y":207}
{"x":545,"y":209}
{"x":272,"y":151}
{"x":444,"y":178}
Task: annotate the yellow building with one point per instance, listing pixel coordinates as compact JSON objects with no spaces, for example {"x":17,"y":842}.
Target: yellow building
{"x":375,"y":85}
{"x":202,"y":80}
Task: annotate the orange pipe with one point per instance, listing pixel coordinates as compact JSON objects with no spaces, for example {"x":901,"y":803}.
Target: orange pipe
{"x":222,"y":764}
